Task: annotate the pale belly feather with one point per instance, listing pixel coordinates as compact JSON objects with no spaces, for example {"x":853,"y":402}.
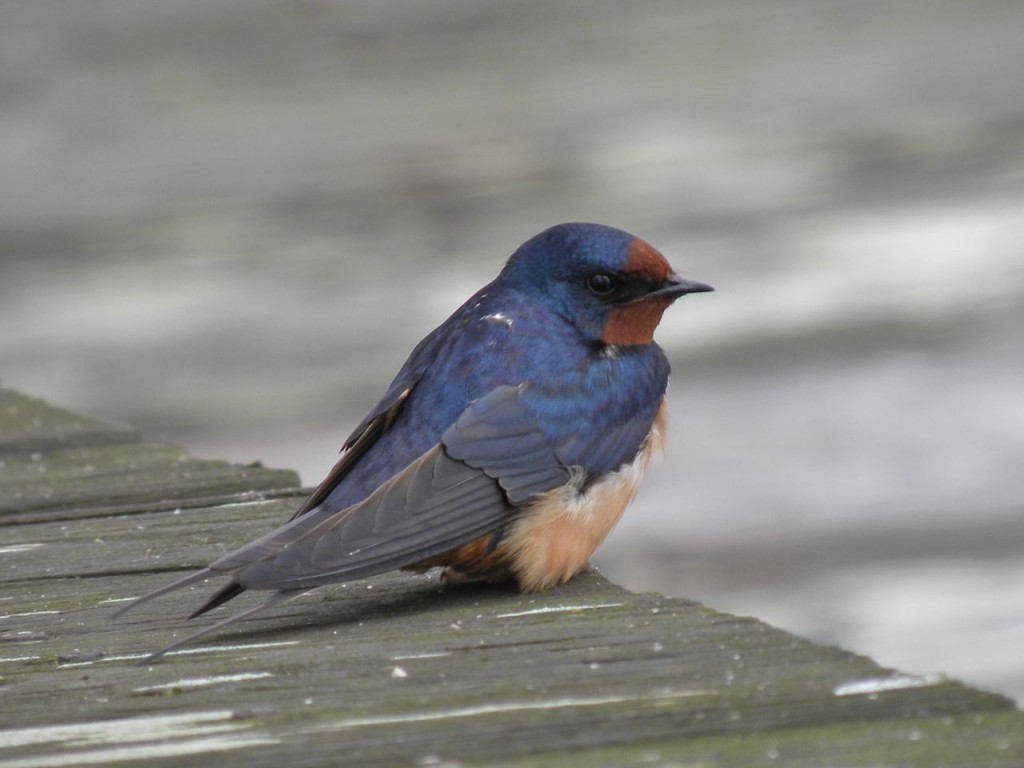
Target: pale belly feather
{"x":553,"y":539}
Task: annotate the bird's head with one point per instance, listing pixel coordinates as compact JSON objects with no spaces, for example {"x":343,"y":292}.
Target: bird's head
{"x":611,"y":285}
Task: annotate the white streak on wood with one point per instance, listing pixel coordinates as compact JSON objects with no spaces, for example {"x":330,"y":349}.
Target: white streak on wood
{"x":558,"y":609}
{"x":202,"y":682}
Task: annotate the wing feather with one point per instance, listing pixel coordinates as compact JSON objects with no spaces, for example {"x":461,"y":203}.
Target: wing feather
{"x":500,"y":435}
{"x":435,"y":504}
{"x":358,"y":443}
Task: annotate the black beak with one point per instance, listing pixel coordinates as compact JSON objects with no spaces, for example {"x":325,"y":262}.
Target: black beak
{"x":677,"y":286}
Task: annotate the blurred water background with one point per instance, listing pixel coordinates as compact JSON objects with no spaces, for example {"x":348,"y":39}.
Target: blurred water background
{"x":228,"y":221}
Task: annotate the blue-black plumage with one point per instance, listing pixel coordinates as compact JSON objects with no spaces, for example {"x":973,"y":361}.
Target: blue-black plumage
{"x":509,"y":443}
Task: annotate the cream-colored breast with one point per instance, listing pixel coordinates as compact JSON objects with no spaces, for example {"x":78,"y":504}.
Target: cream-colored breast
{"x":553,"y":540}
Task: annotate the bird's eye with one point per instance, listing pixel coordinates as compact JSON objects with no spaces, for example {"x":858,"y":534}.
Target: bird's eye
{"x":602,"y":284}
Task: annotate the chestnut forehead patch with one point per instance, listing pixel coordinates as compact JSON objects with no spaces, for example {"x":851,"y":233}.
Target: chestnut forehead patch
{"x":644,"y":260}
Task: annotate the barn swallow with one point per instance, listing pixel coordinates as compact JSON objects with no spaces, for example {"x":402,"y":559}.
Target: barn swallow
{"x":508,"y":445}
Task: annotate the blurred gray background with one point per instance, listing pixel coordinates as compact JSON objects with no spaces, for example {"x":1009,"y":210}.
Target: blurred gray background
{"x":228,"y":222}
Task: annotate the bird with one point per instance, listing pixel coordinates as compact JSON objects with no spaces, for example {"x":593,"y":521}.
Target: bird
{"x":508,"y":445}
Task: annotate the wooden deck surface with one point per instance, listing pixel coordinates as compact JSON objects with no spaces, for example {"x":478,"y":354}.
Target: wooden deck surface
{"x":398,"y":670}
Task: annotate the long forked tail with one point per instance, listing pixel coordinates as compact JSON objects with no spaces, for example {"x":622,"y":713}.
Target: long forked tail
{"x":434,"y":505}
{"x":184,"y":581}
{"x":231,"y":563}
{"x":229,"y":591}
{"x":276,"y":598}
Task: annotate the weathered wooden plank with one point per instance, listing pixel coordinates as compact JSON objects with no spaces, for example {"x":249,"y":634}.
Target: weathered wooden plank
{"x":28,"y":424}
{"x":58,"y":466}
{"x":946,"y":742}
{"x":401,"y":669}
{"x":180,"y":538}
{"x":484,"y":673}
{"x":73,"y":482}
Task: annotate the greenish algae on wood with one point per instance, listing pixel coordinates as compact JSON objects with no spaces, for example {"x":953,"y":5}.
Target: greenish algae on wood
{"x":401,"y":670}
